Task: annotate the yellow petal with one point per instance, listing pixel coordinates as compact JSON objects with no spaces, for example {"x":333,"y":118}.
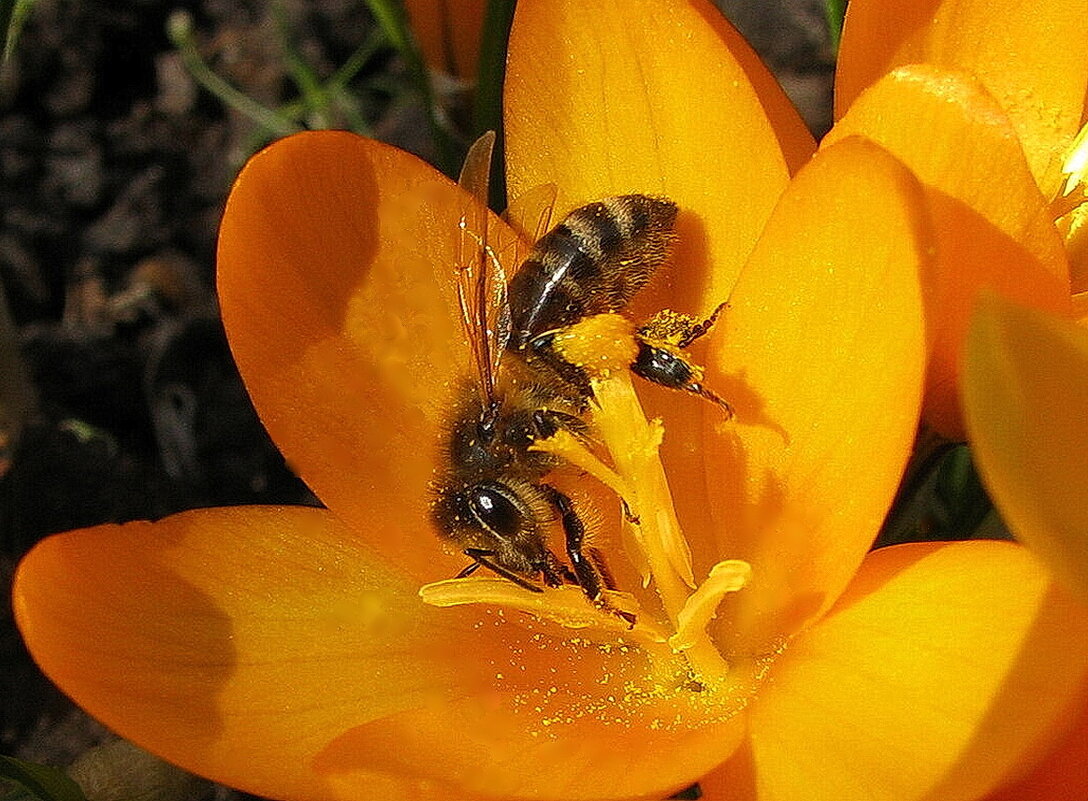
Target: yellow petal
{"x":331,"y":258}
{"x":1033,"y":57}
{"x":652,"y":97}
{"x":821,"y":355}
{"x":267,"y":648}
{"x":940,"y":672}
{"x":1026,"y":403}
{"x":994,"y":228}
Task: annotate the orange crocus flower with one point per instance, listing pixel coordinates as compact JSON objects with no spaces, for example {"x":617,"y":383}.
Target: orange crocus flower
{"x":325,"y":654}
{"x":954,"y":88}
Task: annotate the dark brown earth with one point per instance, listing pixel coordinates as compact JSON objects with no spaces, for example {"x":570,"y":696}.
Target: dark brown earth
{"x":114,"y":166}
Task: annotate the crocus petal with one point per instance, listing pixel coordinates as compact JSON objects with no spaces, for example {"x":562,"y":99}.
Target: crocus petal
{"x":654,"y":97}
{"x":662,"y":98}
{"x":332,"y":255}
{"x":1026,"y":398}
{"x":269,"y":649}
{"x":940,"y":669}
{"x":994,"y":228}
{"x":448,"y":32}
{"x":1061,"y":776}
{"x":821,"y":355}
{"x":1033,"y":57}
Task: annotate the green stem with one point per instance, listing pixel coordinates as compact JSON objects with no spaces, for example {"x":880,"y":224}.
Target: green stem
{"x":835,"y":11}
{"x":393,"y":20}
{"x":180,"y":30}
{"x":314,"y":96}
{"x":13,"y":14}
{"x":357,"y":60}
{"x":489,"y":85}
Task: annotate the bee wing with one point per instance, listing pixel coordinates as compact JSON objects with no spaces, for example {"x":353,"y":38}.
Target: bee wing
{"x":475,"y":177}
{"x":480,"y":277}
{"x":530,"y":214}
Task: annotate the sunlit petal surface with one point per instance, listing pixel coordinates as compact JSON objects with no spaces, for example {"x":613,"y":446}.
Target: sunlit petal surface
{"x":654,"y":97}
{"x":821,"y":354}
{"x":331,"y":258}
{"x":994,"y":227}
{"x":268,"y":649}
{"x":1033,"y":57}
{"x":909,"y":689}
{"x":1026,"y":395}
{"x":448,"y":32}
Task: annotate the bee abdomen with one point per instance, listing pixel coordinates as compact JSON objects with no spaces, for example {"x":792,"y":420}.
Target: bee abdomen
{"x":593,"y":262}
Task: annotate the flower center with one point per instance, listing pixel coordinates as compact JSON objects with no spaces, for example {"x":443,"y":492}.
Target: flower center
{"x":652,"y":540}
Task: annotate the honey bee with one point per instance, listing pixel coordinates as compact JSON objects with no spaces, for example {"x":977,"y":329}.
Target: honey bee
{"x":492,"y":498}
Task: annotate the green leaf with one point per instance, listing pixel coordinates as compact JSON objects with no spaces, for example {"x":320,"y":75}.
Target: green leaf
{"x":489,"y":82}
{"x":942,"y":498}
{"x":393,"y":20}
{"x":13,"y":14}
{"x":179,"y":28}
{"x":835,"y":11}
{"x":25,"y":781}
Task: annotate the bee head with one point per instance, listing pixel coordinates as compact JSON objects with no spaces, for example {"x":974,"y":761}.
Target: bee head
{"x":496,"y":517}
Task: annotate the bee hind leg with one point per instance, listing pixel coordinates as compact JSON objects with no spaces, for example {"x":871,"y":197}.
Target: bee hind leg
{"x":701,"y":329}
{"x":665,"y":364}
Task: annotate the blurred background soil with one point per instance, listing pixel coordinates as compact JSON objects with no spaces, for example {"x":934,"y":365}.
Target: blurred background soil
{"x":114,"y":168}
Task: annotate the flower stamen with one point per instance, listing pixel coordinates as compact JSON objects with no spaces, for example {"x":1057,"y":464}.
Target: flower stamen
{"x":725,"y":577}
{"x":1070,"y":211}
{"x":1075,"y":167}
{"x":566,"y":605}
{"x":633,"y":442}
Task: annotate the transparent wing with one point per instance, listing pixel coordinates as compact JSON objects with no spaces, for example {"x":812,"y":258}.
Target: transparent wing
{"x":480,"y":277}
{"x":530,"y":214}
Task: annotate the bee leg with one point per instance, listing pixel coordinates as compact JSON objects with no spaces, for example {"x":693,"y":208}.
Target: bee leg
{"x":483,"y":557}
{"x":609,"y":582}
{"x":555,"y":572}
{"x":602,"y":568}
{"x":679,"y":329}
{"x":585,"y":571}
{"x":469,"y":570}
{"x":702,"y":328}
{"x":665,"y":364}
{"x":546,"y":422}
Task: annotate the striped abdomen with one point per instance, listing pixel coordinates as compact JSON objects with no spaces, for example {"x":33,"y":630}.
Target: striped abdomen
{"x":593,"y":262}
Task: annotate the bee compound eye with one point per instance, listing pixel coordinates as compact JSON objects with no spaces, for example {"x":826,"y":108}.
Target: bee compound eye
{"x":495,"y":511}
